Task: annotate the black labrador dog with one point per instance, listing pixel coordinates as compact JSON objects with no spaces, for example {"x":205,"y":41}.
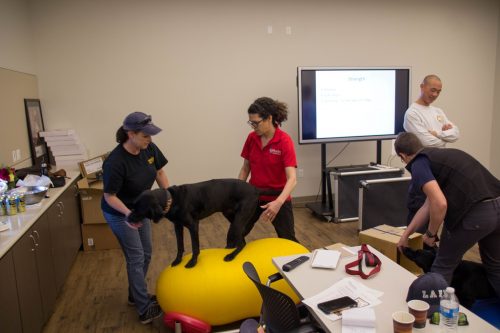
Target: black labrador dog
{"x":185,"y":205}
{"x":469,"y":278}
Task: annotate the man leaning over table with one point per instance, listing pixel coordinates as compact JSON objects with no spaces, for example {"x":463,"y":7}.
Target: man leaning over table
{"x":462,"y":193}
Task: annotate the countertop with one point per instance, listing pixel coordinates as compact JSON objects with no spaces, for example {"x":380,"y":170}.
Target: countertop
{"x":21,"y":222}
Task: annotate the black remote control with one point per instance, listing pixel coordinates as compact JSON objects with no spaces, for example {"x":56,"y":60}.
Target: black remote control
{"x":294,"y":263}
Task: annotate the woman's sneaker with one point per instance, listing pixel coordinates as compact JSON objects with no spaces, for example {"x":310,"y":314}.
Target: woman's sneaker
{"x":153,"y":312}
{"x":151,"y":297}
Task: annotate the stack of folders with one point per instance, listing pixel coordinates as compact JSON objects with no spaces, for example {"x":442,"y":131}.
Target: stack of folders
{"x":322,"y":258}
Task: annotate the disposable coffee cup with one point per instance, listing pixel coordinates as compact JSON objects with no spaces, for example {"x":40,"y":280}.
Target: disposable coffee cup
{"x":402,"y":322}
{"x":419,"y":310}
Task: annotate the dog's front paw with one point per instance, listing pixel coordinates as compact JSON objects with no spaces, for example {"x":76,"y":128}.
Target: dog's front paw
{"x":191,"y":263}
{"x":176,"y":262}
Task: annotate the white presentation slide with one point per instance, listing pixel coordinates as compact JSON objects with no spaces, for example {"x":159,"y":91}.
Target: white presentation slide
{"x":355,"y":102}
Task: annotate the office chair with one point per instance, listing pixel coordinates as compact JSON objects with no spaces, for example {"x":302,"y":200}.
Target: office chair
{"x":279,"y":313}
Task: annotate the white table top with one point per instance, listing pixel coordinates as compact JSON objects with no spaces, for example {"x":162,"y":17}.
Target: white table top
{"x":392,"y":279}
{"x":21,"y":222}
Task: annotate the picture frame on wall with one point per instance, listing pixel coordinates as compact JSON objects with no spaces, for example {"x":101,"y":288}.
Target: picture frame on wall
{"x":34,"y":120}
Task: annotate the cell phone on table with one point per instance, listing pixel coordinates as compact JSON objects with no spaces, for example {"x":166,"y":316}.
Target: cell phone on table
{"x":337,"y":305}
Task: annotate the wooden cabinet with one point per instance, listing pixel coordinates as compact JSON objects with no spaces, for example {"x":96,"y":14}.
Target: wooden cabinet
{"x":72,"y":217}
{"x":45,"y":266}
{"x":65,"y":231}
{"x":34,"y":270}
{"x":35,"y":279}
{"x":10,"y":318}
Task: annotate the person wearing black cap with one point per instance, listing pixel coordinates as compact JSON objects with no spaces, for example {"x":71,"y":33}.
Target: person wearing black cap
{"x":132,"y":167}
{"x":462,"y":193}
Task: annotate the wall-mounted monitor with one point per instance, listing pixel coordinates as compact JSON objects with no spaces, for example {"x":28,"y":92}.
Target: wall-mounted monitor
{"x":339,"y":104}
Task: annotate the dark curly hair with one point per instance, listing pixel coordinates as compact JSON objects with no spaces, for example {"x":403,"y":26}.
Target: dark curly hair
{"x":265,"y":107}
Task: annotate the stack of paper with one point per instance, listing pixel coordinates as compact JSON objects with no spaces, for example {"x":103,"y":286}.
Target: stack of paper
{"x":325,"y":258}
{"x":65,"y":147}
{"x":363,"y":295}
{"x":358,"y":320}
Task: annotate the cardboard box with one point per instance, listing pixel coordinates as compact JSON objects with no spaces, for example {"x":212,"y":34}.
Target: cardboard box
{"x":92,"y":168}
{"x":385,"y":239}
{"x":90,"y":199}
{"x":98,"y":237}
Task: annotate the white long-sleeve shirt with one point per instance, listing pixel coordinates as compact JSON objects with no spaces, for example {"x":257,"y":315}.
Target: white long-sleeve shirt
{"x":420,"y":119}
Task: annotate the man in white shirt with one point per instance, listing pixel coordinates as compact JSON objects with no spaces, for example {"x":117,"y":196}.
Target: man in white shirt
{"x":431,"y":126}
{"x":427,"y":122}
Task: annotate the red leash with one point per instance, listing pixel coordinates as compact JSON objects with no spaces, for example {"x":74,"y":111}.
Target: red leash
{"x":371,"y":260}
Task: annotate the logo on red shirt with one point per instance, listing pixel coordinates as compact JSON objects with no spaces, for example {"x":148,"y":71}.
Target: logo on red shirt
{"x":274,"y":151}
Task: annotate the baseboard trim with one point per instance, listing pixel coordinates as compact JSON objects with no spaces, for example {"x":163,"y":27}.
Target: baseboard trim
{"x":301,"y":201}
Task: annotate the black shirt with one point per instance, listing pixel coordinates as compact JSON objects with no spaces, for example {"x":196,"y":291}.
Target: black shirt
{"x":463,"y":180}
{"x":127,"y":175}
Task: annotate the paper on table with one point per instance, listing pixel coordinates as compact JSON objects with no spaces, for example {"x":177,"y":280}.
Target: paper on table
{"x":359,"y":320}
{"x":364,"y":296}
{"x":357,"y":329}
{"x":325,"y":258}
{"x":352,"y":249}
{"x":4,"y":226}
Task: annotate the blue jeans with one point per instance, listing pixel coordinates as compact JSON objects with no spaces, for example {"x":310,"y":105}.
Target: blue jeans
{"x":137,"y":248}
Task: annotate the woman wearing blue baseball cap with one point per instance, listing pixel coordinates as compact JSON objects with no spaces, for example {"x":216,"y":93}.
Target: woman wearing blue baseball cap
{"x":132,"y":167}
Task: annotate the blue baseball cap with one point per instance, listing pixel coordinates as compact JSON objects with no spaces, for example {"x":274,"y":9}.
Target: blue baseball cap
{"x":428,"y":287}
{"x":139,"y":121}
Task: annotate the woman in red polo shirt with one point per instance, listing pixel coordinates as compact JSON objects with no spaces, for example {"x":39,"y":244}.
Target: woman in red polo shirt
{"x":270,"y":161}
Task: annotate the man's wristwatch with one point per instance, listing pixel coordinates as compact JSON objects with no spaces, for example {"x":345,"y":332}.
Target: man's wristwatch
{"x":429,"y":234}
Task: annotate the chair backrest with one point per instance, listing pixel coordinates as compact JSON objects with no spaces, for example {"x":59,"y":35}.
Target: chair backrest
{"x":279,"y":311}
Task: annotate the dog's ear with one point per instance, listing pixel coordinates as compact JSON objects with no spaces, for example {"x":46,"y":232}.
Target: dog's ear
{"x":156,"y":213}
{"x":140,"y":209}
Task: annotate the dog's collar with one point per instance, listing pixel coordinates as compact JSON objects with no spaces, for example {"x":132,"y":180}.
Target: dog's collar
{"x":168,"y":201}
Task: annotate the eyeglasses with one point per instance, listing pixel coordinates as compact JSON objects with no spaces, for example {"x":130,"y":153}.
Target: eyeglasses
{"x":254,"y":124}
{"x":145,"y":121}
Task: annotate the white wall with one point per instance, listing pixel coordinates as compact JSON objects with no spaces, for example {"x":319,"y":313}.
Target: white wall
{"x":16,"y":37}
{"x":197,"y":65}
{"x":495,"y":133}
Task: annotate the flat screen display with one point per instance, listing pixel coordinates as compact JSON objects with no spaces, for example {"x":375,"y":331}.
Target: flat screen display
{"x":338,"y":104}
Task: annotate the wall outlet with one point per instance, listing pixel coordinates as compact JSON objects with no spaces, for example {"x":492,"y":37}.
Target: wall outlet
{"x":16,"y":155}
{"x":300,"y":173}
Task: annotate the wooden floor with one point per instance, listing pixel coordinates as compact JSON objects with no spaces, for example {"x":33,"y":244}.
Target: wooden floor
{"x":94,"y":298}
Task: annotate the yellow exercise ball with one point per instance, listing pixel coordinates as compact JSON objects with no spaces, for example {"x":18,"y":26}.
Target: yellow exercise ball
{"x":219,"y":292}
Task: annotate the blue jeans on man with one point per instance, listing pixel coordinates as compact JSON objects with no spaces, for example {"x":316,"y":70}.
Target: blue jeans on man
{"x":137,"y":248}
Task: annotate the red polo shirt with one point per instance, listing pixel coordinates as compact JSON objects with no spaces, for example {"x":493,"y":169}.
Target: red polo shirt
{"x":267,"y":164}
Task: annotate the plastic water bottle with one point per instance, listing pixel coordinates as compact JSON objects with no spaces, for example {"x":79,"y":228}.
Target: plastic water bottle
{"x":44,"y":170}
{"x":448,"y":311}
